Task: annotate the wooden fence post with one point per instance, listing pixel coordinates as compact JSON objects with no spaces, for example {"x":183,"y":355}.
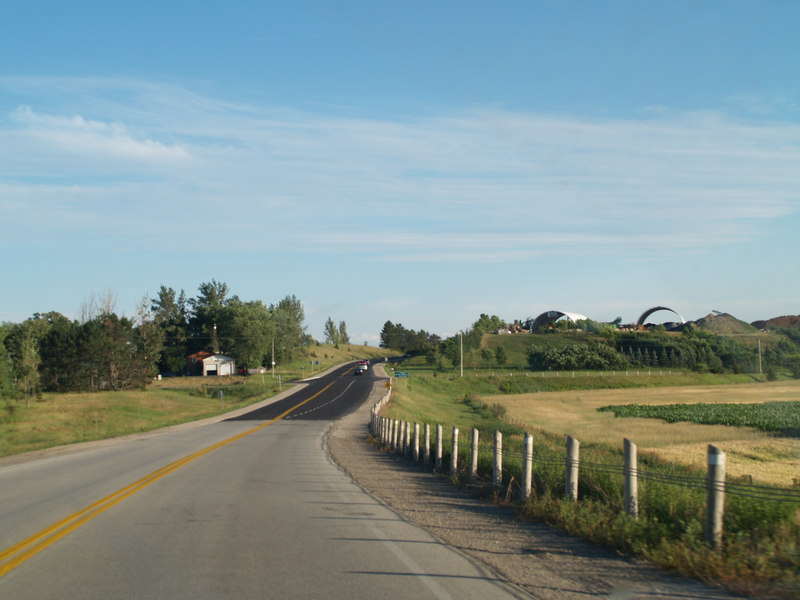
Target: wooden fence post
{"x":454,"y":453}
{"x":473,"y":468}
{"x":631,"y":480}
{"x":438,"y":447}
{"x":401,"y":437}
{"x":715,"y":495}
{"x":573,"y":456}
{"x":415,"y":449}
{"x":527,"y":467}
{"x":497,"y":474}
{"x":426,"y":445}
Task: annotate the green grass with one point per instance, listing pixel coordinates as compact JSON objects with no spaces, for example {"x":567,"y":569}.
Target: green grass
{"x":782,"y":417}
{"x":61,"y":419}
{"x":761,"y":540}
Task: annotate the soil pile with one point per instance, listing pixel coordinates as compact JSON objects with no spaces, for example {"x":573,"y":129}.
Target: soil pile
{"x":785,"y":321}
{"x":725,"y":324}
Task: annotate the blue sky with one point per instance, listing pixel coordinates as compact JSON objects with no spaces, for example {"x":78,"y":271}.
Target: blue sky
{"x":414,"y":162}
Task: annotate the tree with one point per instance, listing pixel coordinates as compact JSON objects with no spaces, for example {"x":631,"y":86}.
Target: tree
{"x":331,"y":333}
{"x":206,"y":313}
{"x":487,"y":355}
{"x":170,"y":312}
{"x":147,"y":344}
{"x":59,"y":353}
{"x":500,"y":356}
{"x":288,"y":316}
{"x":250,"y":328}
{"x":23,"y":345}
{"x":343,"y":337}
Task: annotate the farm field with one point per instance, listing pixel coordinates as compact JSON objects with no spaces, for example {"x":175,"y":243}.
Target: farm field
{"x":761,"y":536}
{"x":764,"y":456}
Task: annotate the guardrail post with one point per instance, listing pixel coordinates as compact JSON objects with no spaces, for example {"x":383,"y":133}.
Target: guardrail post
{"x":438,"y":447}
{"x":473,"y":468}
{"x":415,"y":453}
{"x":527,"y":466}
{"x":407,"y":445}
{"x":426,"y":445}
{"x":395,"y":433}
{"x":715,"y":495}
{"x":402,"y":440}
{"x":497,"y":474}
{"x":454,"y":453}
{"x":631,"y":480}
{"x":573,"y":456}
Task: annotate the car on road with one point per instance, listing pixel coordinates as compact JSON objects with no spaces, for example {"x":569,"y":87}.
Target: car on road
{"x":360,"y":369}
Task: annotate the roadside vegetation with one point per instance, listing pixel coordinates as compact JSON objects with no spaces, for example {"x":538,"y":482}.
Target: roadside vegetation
{"x":759,"y":552}
{"x":55,"y":419}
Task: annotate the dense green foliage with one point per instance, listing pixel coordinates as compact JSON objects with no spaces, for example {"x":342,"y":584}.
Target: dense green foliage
{"x":589,"y":357}
{"x":103,"y":350}
{"x":407,"y":340}
{"x":768,"y":416}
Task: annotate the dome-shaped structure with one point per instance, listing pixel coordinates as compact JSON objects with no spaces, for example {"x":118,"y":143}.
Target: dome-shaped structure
{"x":650,"y":311}
{"x":551,"y":316}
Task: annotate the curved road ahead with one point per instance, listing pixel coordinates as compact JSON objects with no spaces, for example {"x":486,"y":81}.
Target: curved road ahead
{"x":249,"y":507}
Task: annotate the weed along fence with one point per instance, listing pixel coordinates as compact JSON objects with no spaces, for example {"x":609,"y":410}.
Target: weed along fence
{"x":546,"y":466}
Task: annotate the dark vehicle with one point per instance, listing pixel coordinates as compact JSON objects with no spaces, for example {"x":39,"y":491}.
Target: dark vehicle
{"x":360,"y":370}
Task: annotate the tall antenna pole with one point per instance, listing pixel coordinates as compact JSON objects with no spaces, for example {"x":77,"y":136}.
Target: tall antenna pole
{"x":759,"y":357}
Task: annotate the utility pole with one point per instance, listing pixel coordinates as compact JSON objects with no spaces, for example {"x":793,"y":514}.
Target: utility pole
{"x":273,"y":358}
{"x":759,"y":356}
{"x":461,"y":333}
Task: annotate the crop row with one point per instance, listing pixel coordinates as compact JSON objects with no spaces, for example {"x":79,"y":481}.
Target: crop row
{"x":767,"y":416}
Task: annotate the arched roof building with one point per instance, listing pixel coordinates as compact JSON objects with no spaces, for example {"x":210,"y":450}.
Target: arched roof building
{"x":551,"y":316}
{"x":650,"y":311}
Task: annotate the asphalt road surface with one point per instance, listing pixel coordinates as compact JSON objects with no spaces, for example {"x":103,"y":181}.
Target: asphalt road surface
{"x":249,"y":507}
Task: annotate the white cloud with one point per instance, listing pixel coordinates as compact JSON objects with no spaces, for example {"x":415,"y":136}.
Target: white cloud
{"x":482,"y":185}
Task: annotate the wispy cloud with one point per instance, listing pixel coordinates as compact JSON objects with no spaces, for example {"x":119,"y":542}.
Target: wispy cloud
{"x":481,"y":185}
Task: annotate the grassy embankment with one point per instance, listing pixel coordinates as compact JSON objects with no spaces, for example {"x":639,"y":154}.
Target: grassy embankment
{"x":59,"y":419}
{"x":761,"y":538}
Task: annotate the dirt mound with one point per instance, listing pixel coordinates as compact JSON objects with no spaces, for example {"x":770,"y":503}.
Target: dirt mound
{"x":785,"y":321}
{"x":724,"y":324}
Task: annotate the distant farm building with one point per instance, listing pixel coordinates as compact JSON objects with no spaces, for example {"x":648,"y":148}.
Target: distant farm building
{"x":548,"y":318}
{"x":206,"y":363}
{"x":640,"y":323}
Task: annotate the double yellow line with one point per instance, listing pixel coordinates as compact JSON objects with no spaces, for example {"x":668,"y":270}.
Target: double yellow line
{"x":17,"y":554}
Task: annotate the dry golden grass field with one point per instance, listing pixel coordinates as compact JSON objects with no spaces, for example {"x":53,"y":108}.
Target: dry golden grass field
{"x":765,"y":457}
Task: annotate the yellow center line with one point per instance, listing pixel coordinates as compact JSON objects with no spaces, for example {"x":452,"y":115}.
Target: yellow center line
{"x":41,"y":540}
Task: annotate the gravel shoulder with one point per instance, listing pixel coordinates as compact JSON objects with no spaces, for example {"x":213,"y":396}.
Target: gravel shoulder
{"x":541,"y":560}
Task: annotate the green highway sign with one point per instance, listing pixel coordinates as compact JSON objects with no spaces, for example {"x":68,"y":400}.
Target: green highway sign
{"x":400,"y":374}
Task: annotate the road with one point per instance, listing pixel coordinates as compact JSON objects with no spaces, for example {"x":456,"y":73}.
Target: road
{"x":249,"y":507}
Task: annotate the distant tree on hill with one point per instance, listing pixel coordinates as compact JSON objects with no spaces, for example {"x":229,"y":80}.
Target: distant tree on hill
{"x":331,"y":333}
{"x":343,"y":337}
{"x":500,"y":356}
{"x":487,"y":355}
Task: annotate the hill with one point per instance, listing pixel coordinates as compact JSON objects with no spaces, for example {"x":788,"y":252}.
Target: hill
{"x":785,"y":321}
{"x":725,"y":324}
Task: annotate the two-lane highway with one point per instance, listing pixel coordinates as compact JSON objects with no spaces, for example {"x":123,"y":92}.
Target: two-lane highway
{"x":250,"y":507}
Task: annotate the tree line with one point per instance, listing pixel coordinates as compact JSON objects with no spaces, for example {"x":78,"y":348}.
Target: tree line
{"x":103,"y":350}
